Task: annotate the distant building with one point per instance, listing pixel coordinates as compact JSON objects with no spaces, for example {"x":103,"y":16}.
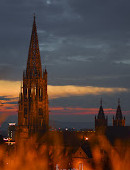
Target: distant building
{"x":76,"y":153}
{"x":11,"y":130}
{"x":118,"y":132}
{"x":100,"y":120}
{"x":33,"y":116}
{"x":118,"y":120}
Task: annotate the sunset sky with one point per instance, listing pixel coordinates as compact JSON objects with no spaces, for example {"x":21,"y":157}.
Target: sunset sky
{"x":85,"y":46}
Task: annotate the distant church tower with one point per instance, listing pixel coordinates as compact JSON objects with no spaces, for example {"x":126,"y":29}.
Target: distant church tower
{"x":118,"y":120}
{"x":100,"y":120}
{"x":33,"y":113}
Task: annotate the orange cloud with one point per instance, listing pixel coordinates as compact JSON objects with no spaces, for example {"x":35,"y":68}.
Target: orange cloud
{"x":12,"y":88}
{"x":9,"y":88}
{"x":70,"y":90}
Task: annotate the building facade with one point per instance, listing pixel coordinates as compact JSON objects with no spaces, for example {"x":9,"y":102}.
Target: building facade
{"x":33,"y":115}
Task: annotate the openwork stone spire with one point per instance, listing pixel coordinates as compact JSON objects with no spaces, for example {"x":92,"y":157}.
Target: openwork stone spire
{"x":33,"y":114}
{"x":34,"y":68}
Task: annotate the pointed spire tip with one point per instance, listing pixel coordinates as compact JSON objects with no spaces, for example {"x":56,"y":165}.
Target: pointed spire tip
{"x":34,"y":17}
{"x":101,"y":101}
{"x":118,"y":101}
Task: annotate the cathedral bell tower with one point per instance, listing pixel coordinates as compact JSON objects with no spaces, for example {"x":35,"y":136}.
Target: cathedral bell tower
{"x":33,"y":116}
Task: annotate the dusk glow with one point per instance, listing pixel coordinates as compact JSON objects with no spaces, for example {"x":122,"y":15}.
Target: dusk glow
{"x":10,"y":91}
{"x":65,"y":85}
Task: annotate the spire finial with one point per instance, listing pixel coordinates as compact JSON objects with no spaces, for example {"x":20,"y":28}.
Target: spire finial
{"x":101,"y":101}
{"x":34,"y":16}
{"x":118,"y":101}
{"x":34,"y":55}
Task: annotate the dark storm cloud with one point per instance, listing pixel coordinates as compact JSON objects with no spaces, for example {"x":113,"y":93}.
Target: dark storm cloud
{"x":82,"y":42}
{"x":70,"y":32}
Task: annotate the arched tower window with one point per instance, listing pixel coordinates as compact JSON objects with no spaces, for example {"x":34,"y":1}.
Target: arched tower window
{"x":40,"y":94}
{"x":25,"y":112}
{"x":25,"y":94}
{"x":40,"y":111}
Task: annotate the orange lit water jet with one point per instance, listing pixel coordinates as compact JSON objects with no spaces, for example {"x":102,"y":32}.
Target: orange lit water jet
{"x":50,"y":152}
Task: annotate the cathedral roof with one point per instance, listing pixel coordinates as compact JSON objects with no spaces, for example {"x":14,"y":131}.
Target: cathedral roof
{"x":34,"y":68}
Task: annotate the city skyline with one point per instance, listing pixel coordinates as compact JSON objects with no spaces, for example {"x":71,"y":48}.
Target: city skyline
{"x":87,"y":56}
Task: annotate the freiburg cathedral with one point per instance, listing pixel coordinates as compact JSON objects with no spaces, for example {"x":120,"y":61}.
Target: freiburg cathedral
{"x":33,"y":116}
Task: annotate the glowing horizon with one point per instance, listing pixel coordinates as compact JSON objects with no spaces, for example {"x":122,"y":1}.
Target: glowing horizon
{"x":9,"y":92}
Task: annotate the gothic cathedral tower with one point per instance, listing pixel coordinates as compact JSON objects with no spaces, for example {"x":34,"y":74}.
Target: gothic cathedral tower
{"x":100,"y":120}
{"x":118,"y":120}
{"x":33,"y":116}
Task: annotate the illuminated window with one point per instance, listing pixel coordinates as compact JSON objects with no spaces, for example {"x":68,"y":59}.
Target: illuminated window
{"x":40,"y":94}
